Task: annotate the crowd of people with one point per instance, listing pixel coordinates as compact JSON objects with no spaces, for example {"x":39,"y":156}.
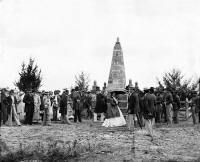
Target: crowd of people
{"x":144,"y":108}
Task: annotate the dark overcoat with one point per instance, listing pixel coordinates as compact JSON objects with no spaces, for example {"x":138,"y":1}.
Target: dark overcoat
{"x":63,"y":104}
{"x":133,"y":103}
{"x":150,"y":103}
{"x":29,"y":103}
{"x":176,"y":102}
{"x":101,"y":104}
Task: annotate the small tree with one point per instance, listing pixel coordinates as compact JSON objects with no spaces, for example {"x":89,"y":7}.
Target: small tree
{"x":82,"y":81}
{"x":174,"y":80}
{"x":30,"y":77}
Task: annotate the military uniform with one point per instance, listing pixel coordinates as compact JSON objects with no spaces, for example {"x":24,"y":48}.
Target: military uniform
{"x":169,"y":107}
{"x":195,"y":108}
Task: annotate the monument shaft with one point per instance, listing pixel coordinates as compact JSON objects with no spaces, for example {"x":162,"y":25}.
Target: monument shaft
{"x":117,"y":77}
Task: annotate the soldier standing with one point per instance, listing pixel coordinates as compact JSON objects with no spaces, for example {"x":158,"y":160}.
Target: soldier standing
{"x":168,"y":105}
{"x":195,"y":107}
{"x":133,"y":107}
{"x":150,"y":105}
{"x":176,"y":107}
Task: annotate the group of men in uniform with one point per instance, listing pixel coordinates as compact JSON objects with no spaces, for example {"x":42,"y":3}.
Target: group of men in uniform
{"x":152,"y":106}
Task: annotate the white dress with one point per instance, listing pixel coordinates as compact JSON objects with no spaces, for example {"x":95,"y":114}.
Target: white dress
{"x":115,"y":122}
{"x":37,"y":103}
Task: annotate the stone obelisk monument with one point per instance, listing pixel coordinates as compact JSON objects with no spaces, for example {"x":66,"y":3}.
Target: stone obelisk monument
{"x":117,"y":77}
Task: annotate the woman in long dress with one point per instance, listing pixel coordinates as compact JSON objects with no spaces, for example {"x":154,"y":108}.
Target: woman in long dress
{"x":37,"y":103}
{"x":114,"y":116}
{"x":47,"y":105}
{"x":20,"y":106}
{"x":11,"y":101}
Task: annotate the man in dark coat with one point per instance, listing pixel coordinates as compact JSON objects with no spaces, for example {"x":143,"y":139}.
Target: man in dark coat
{"x":150,"y":106}
{"x":158,"y":112}
{"x":29,"y":107}
{"x":88,"y":105}
{"x":77,"y":104}
{"x":133,"y":107}
{"x":101,"y":105}
{"x":176,"y":106}
{"x":63,"y":107}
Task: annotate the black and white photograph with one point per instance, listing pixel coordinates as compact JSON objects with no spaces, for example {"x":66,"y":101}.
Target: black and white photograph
{"x":99,"y":81}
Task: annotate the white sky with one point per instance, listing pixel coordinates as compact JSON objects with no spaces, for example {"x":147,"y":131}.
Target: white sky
{"x":69,"y":36}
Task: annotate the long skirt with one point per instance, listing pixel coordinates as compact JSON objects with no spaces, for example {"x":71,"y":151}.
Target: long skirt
{"x":116,"y":121}
{"x":13,"y":114}
{"x":36,"y":115}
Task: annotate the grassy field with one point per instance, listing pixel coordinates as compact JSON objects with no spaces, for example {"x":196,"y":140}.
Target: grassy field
{"x":89,"y":141}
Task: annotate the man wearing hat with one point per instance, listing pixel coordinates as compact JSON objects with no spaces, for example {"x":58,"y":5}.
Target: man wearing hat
{"x":101,"y":105}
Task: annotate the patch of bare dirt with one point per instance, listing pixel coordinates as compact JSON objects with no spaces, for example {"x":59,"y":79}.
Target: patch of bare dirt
{"x":178,"y":142}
